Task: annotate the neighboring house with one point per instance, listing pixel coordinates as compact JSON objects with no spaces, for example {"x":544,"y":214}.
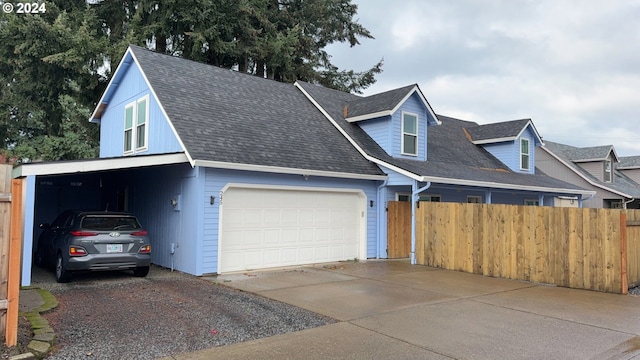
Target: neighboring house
{"x":596,"y":168}
{"x":630,"y":166}
{"x":231,"y":172}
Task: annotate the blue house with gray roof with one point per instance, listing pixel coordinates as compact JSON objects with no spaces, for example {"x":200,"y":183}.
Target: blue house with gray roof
{"x":232,"y":172}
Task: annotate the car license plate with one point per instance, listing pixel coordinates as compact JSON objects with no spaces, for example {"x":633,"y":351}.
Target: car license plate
{"x":114,"y":248}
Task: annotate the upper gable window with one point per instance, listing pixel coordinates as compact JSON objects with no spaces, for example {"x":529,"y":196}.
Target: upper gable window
{"x":607,"y":171}
{"x":409,"y":134}
{"x":524,"y":154}
{"x":136,"y":129}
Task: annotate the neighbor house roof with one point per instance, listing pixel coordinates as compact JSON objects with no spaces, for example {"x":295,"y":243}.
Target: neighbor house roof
{"x":588,"y":154}
{"x":570,"y":156}
{"x":225,"y":118}
{"x":453,"y":158}
{"x":629,"y":162}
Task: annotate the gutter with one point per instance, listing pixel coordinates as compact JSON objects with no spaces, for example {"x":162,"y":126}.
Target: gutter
{"x":624,"y":203}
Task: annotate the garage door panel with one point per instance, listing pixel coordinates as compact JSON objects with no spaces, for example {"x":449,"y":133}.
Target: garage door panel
{"x":272,"y":227}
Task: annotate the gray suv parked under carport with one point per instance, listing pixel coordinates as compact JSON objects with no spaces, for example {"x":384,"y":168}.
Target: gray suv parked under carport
{"x":93,"y":240}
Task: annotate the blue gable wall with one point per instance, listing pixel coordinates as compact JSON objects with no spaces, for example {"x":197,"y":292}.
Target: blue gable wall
{"x":131,"y":88}
{"x":380,"y":131}
{"x":415,"y":106}
{"x":508,"y":152}
{"x":216,"y":179}
{"x":387,"y":131}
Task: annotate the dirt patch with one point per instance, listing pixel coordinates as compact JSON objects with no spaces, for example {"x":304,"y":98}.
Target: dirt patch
{"x":24,"y":337}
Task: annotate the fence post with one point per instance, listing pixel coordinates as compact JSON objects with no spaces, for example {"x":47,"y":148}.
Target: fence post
{"x":15,"y":256}
{"x":623,"y":254}
{"x":5,"y":214}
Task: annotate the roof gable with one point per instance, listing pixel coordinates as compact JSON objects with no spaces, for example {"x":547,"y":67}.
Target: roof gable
{"x":502,"y":131}
{"x":226,"y":117}
{"x":566,"y":154}
{"x":383,"y":104}
{"x":593,"y":153}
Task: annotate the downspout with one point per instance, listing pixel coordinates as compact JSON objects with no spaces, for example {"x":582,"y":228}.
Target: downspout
{"x":624,"y":203}
{"x":415,"y":197}
{"x":580,"y":202}
{"x":381,"y":219}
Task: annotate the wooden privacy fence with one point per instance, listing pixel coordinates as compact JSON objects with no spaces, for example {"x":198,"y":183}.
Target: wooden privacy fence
{"x":633,"y":247}
{"x":10,"y":252}
{"x":570,"y":247}
{"x":398,"y":229}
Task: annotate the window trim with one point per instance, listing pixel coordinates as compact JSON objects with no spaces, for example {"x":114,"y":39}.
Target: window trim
{"x":146,"y":124}
{"x":134,"y":148}
{"x":403,"y":133}
{"x":527,"y":154}
{"x":477,"y":197}
{"x":131,"y":106}
{"x":608,"y":173}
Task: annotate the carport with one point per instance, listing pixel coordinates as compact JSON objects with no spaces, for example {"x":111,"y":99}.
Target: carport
{"x":114,"y":184}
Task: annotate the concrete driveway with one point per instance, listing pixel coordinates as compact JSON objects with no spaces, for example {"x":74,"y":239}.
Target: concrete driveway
{"x":391,"y":309}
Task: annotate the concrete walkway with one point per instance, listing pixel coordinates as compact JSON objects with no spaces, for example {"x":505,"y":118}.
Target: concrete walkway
{"x":390,"y":309}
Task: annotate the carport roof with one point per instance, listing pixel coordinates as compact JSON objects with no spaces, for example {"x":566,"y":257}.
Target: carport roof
{"x":101,"y":164}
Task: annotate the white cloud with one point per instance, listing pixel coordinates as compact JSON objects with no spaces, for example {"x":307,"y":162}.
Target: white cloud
{"x":571,"y":65}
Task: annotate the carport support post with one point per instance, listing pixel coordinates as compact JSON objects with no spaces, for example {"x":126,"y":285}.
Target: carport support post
{"x":415,"y":197}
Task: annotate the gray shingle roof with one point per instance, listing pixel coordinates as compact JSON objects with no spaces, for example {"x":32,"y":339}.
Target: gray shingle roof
{"x":226,"y":116}
{"x":573,"y":155}
{"x":384,"y":101}
{"x":629,"y":162}
{"x":501,"y":130}
{"x":592,"y":153}
{"x":451,"y":154}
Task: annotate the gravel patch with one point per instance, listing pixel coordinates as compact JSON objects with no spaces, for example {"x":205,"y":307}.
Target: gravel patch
{"x":117,"y":316}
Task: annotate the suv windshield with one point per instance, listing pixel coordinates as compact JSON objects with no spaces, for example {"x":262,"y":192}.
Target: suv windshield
{"x":108,"y":223}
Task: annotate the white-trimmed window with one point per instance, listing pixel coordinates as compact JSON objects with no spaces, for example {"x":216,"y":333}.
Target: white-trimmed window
{"x":409,"y":134}
{"x":531,"y":202}
{"x":474,"y":199}
{"x":524,"y":154}
{"x":607,"y":171}
{"x":136,"y":125}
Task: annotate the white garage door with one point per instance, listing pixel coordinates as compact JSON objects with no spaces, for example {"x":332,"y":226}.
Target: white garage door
{"x":262,"y":228}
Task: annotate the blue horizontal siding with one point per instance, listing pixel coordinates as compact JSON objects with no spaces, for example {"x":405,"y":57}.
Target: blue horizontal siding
{"x":133,"y":87}
{"x":415,"y":106}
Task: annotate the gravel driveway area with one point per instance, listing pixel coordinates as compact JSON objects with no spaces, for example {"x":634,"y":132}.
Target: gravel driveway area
{"x":117,"y":316}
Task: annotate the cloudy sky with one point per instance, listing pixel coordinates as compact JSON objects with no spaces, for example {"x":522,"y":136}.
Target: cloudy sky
{"x":572,"y":66}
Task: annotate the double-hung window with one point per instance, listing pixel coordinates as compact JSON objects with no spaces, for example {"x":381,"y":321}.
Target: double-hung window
{"x":136,"y":128}
{"x":607,"y":171}
{"x":409,"y":134}
{"x":524,"y":154}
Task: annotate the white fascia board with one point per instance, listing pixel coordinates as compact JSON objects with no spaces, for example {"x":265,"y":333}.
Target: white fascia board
{"x":535,"y":131}
{"x":634,"y":167}
{"x":285,"y":170}
{"x":155,"y":96}
{"x":353,"y":143}
{"x":494,"y":185}
{"x":491,"y":141}
{"x":583,"y":176}
{"x":82,"y":166}
{"x":113,"y":77}
{"x":424,"y":102}
{"x":369,"y":116}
